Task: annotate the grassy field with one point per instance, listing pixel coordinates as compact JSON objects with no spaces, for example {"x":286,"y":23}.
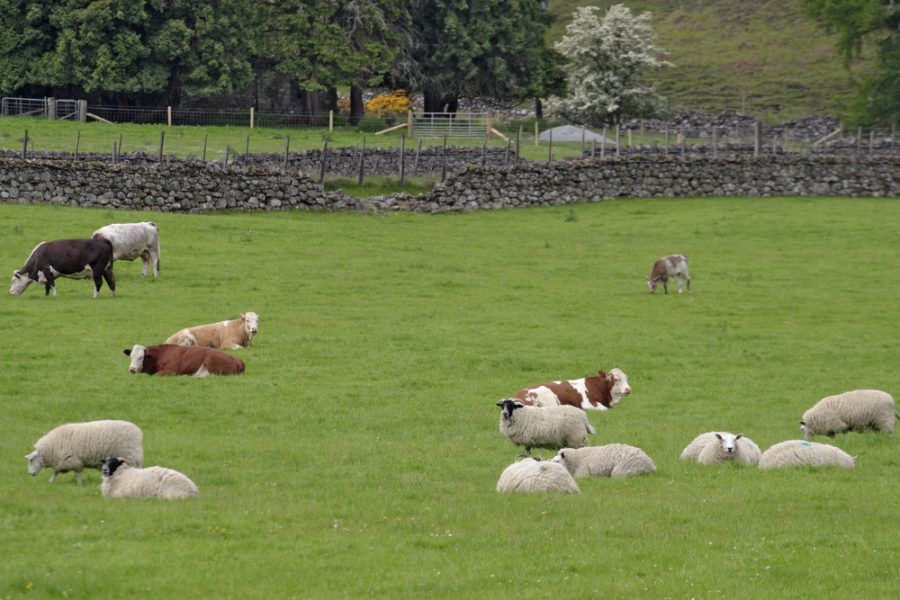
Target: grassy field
{"x":357,"y":456}
{"x":763,"y":56}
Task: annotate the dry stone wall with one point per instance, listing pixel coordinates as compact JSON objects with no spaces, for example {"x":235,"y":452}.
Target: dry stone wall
{"x":188,"y":186}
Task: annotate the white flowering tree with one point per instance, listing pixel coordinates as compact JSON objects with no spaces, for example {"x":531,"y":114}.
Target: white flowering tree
{"x":608,"y":62}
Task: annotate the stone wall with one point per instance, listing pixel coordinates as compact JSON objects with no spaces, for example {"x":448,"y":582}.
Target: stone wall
{"x":190,"y":186}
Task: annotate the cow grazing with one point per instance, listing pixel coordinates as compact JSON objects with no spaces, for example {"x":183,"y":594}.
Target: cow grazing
{"x":180,"y":360}
{"x":675,"y":266}
{"x":133,"y":240}
{"x":599,"y":392}
{"x":229,"y":335}
{"x":73,"y":258}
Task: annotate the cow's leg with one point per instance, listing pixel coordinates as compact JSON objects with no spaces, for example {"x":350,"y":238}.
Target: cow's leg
{"x":97,"y":276}
{"x":678,"y":279}
{"x":687,"y":276}
{"x":665,"y":286}
{"x":46,"y":276}
{"x":110,"y":278}
{"x":145,"y":259}
{"x":202,"y":371}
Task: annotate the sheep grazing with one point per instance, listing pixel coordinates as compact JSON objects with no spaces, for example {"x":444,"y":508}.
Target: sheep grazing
{"x":714,"y":447}
{"x":77,"y":446}
{"x":794,"y":453}
{"x":611,"y":460}
{"x":121,"y":480}
{"x":551,"y":427}
{"x":857,"y":410}
{"x":530,"y":475}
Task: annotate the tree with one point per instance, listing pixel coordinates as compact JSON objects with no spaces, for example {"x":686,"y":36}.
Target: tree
{"x":475,"y":48}
{"x":607,"y":65}
{"x":878,"y":22}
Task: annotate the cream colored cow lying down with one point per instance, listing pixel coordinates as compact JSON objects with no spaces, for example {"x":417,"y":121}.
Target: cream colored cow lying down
{"x":227,"y":335}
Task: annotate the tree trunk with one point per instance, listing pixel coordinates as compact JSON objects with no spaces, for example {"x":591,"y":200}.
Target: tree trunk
{"x":357,"y":108}
{"x":538,"y":109}
{"x":331,"y":100}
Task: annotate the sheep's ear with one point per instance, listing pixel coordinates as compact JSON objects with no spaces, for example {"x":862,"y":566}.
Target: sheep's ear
{"x":501,"y":403}
{"x":562,"y":454}
{"x":738,"y":436}
{"x":718,"y":436}
{"x":127,"y":351}
{"x":803,"y":421}
{"x":518,"y":404}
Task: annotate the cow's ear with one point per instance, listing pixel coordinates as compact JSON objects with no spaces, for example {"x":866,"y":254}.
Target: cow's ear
{"x":127,"y":351}
{"x":242,"y":317}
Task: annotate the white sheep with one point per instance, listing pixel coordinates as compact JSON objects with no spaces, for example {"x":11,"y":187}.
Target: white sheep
{"x":794,"y":453}
{"x":77,"y":446}
{"x":530,"y":475}
{"x":611,"y":460}
{"x":857,"y":410}
{"x":714,"y":447}
{"x":121,"y":480}
{"x":551,"y":427}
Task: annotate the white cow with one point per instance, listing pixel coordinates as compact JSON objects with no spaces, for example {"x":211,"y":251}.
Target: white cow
{"x":676,"y":266}
{"x":132,"y":240}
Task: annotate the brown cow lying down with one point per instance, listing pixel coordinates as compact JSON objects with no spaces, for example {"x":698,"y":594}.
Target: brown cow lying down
{"x":180,"y":360}
{"x":229,"y":335}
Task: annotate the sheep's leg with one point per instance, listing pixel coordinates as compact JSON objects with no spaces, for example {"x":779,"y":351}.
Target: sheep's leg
{"x":78,"y":477}
{"x":53,"y":477}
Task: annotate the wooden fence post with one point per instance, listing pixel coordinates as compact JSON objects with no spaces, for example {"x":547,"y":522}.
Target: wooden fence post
{"x":618,"y":140}
{"x":666,"y":138}
{"x":757,"y":138}
{"x":871,"y":141}
{"x":630,"y":140}
{"x":162,"y":138}
{"x":362,"y":162}
{"x":550,"y":148}
{"x":205,"y":139}
{"x":536,"y":132}
{"x":252,"y":115}
{"x":81,"y":110}
{"x":114,"y":155}
{"x":409,"y":124}
{"x":287,"y":148}
{"x":593,"y":147}
{"x":77,"y":143}
{"x":715,"y":142}
{"x":169,"y":115}
{"x":444,"y":159}
{"x":25,"y":145}
{"x":51,"y":109}
{"x":247,"y":149}
{"x":582,"y":140}
{"x":402,"y":159}
{"x":322,"y":162}
{"x":508,"y":149}
{"x":484,"y":150}
{"x":416,"y":159}
{"x":858,"y":140}
{"x":518,"y":143}
{"x":120,"y":144}
{"x":603,"y":143}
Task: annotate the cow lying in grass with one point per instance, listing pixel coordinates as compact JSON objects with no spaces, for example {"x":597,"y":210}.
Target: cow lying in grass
{"x":180,"y":360}
{"x":73,"y":258}
{"x":229,"y":335}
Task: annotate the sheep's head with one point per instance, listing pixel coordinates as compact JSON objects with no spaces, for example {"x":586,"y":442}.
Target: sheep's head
{"x":34,"y":463}
{"x":729,"y":441}
{"x":805,"y":429}
{"x":508,"y":406}
{"x":110,"y":465}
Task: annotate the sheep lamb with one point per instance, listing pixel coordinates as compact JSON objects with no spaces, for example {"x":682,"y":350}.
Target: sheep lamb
{"x":793,"y":453}
{"x":77,"y":446}
{"x":714,"y":447}
{"x":857,"y":410}
{"x":121,"y":480}
{"x":611,"y":460}
{"x":530,"y":475}
{"x":551,"y":427}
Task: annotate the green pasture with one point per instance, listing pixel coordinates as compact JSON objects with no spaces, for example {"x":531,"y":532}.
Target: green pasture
{"x":358,"y":454}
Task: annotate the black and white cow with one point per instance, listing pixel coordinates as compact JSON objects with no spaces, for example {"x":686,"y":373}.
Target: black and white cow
{"x":74,"y":258}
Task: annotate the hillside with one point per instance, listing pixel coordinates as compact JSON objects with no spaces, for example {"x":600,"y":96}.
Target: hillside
{"x":761,"y":56}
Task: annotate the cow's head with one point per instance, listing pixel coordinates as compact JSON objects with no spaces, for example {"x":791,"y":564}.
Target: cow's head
{"x":729,"y":441}
{"x":137,"y":354}
{"x":508,"y":406}
{"x":652,"y":282}
{"x":19,"y":282}
{"x":110,"y":465}
{"x":34,"y":463}
{"x":619,"y":387}
{"x":251,"y":323}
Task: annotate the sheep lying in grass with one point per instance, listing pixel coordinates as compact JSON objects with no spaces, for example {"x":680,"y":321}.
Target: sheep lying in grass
{"x":77,"y":446}
{"x":857,"y":410}
{"x":714,"y":447}
{"x":611,"y":460}
{"x":120,"y":480}
{"x":551,"y":427}
{"x":530,"y":475}
{"x":793,"y":453}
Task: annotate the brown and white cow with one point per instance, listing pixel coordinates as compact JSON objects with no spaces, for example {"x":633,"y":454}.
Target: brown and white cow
{"x":599,"y":392}
{"x":73,"y":258}
{"x":133,"y":240}
{"x":168,"y":359}
{"x":674,"y":265}
{"x":229,"y":335}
